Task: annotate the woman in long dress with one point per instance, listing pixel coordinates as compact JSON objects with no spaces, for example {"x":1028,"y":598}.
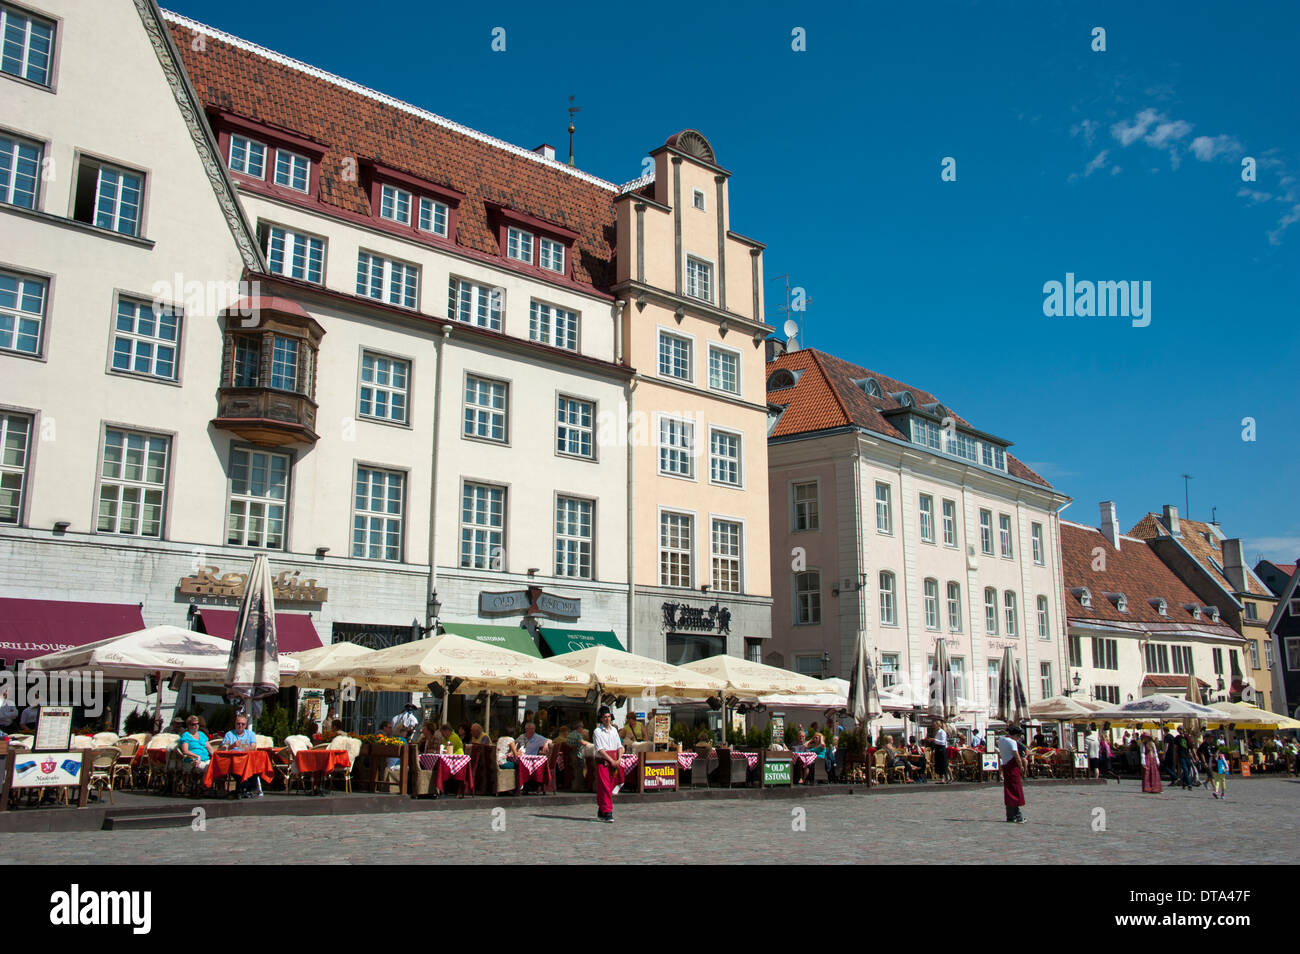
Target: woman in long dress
{"x":1150,"y":766}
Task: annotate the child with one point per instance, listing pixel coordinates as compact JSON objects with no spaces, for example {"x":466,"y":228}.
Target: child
{"x":1219,"y":775}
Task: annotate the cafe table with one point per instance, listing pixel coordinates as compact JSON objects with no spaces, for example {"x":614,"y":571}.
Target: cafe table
{"x":803,"y":766}
{"x":446,"y":767}
{"x":320,"y":762}
{"x":533,"y":768}
{"x":244,"y":764}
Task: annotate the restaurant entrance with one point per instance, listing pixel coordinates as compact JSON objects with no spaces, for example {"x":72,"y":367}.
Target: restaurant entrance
{"x":362,"y":715}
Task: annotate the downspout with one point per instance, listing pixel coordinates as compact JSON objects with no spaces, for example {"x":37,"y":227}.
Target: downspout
{"x":619,"y":306}
{"x":440,"y":347}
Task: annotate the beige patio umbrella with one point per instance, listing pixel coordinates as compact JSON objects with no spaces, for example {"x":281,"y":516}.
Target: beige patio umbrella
{"x":1250,"y":717}
{"x":621,"y":673}
{"x":322,"y":657}
{"x":749,"y":680}
{"x":1063,"y":709}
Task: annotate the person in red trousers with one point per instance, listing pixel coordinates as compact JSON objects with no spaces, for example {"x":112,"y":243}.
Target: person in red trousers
{"x":608,"y":749}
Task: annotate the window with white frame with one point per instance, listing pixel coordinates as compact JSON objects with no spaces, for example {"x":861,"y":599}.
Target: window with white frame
{"x":377,"y":514}
{"x":1004,"y":532}
{"x":15,"y":447}
{"x":295,"y":254}
{"x":1036,"y":537}
{"x":993,"y":456}
{"x":958,"y":664}
{"x":20,"y":166}
{"x":1044,"y":620}
{"x":1292,"y":646}
{"x":573,"y":536}
{"x":674,"y":356}
{"x":1268,"y":654}
{"x":888,"y":611}
{"x":925,"y":508}
{"x":699,"y":279}
{"x":990,"y":611}
{"x":258,"y":497}
{"x":292,"y":170}
{"x":931,"y":600}
{"x":1045,"y":679}
{"x":22,"y":312}
{"x":145,"y":338}
{"x":248,"y":156}
{"x":697,"y":199}
{"x":726,"y":556}
{"x":954,"y":606}
{"x":385,"y":387}
{"x":808,"y":597}
{"x":676,"y":532}
{"x":395,"y":204}
{"x":888,"y":670}
{"x":108,"y":197}
{"x":387,"y":280}
{"x":475,"y":304}
{"x":550,"y":255}
{"x":676,"y":447}
{"x":1009,"y":603}
{"x":949,"y":523}
{"x":485,"y":409}
{"x":995,"y":667}
{"x":986,"y":532}
{"x":754,"y":650}
{"x":724,"y":370}
{"x":553,"y":326}
{"x":519,"y":245}
{"x":1251,"y":644}
{"x":28,"y":45}
{"x":807,"y":506}
{"x":433,"y":217}
{"x":1076,"y":651}
{"x":884,"y":509}
{"x":724,"y":458}
{"x":574,"y":429}
{"x":284,"y":364}
{"x":482,"y":527}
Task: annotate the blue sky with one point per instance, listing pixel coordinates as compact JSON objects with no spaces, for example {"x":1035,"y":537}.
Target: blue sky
{"x":1115,"y":165}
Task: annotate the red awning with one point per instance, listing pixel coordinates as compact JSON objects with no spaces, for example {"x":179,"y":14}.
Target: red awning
{"x":294,"y":632}
{"x":35,"y":627}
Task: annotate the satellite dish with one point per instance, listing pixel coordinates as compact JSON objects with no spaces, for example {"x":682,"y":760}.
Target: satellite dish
{"x":792,"y":344}
{"x":791,"y":328}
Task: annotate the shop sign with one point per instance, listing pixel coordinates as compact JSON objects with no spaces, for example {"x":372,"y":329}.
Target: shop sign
{"x":659,"y":776}
{"x":990,"y":762}
{"x":556,"y":606}
{"x":210,"y":581}
{"x":777,"y":773}
{"x":46,"y":769}
{"x":679,"y":616}
{"x":529,"y":602}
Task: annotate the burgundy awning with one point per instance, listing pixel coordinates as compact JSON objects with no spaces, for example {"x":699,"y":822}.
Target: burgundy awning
{"x":294,"y":632}
{"x":35,"y":627}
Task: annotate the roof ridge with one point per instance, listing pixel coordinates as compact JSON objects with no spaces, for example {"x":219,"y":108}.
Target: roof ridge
{"x":395,"y":103}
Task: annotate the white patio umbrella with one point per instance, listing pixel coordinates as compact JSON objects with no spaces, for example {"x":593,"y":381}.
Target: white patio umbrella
{"x":253,"y":670}
{"x":864,"y":694}
{"x":621,"y":673}
{"x":749,"y":680}
{"x":1157,"y":709}
{"x":158,"y":649}
{"x":310,"y":660}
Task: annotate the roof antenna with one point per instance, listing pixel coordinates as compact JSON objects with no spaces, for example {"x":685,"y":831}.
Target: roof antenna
{"x":1187,"y":507}
{"x":793,"y":306}
{"x":572,"y":109}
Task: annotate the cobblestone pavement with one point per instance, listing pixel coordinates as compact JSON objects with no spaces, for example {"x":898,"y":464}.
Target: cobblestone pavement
{"x":935,"y":825}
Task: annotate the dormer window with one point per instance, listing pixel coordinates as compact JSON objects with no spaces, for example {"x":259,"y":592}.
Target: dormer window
{"x":395,"y":204}
{"x":519,"y":245}
{"x":1193,"y":609}
{"x":1160,"y":606}
{"x":1121,"y":602}
{"x":1213,"y":613}
{"x":248,"y":156}
{"x":532,"y":241}
{"x":434,"y":217}
{"x":292,"y":170}
{"x":904,"y":398}
{"x":1084,"y":596}
{"x":550,"y":255}
{"x":774,"y":412}
{"x":781,"y":379}
{"x":267,"y":154}
{"x":870,"y":387}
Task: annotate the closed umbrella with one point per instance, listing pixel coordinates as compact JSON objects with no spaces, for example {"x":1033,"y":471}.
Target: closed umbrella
{"x":253,"y":670}
{"x":1012,"y":705}
{"x":864,"y":696}
{"x":942,"y":702}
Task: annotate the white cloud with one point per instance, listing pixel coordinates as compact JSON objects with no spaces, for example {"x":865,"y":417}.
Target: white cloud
{"x":1254,"y":195}
{"x":1288,"y":220}
{"x":1277,"y":549}
{"x":1129,"y":133}
{"x":1098,"y":161}
{"x":1168,"y":131}
{"x":1088,"y":128}
{"x":1206,"y":148}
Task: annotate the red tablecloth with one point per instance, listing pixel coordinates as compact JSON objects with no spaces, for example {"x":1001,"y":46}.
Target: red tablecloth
{"x":444,"y":767}
{"x":321,"y":761}
{"x":627,"y":761}
{"x":242,"y":765}
{"x":750,"y":757}
{"x":685,"y":760}
{"x":156,"y":756}
{"x":807,"y":758}
{"x":532,"y":768}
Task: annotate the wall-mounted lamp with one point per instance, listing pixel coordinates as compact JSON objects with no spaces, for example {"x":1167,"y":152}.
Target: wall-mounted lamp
{"x":321,"y":551}
{"x":61,"y":525}
{"x":835,"y":589}
{"x":704,"y":588}
{"x":533,"y":571}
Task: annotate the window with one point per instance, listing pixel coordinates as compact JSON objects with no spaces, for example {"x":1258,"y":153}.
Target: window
{"x":1268,"y":654}
{"x":724,"y":370}
{"x":992,"y":456}
{"x":385,"y":384}
{"x":699,"y":279}
{"x":28,"y":45}
{"x":550,"y":255}
{"x":1121,"y":602}
{"x":386,"y":280}
{"x":986,"y":532}
{"x":22,"y":312}
{"x":1045,"y":679}
{"x":990,"y":611}
{"x":292,"y":170}
{"x":724,"y":458}
{"x":1105,"y":653}
{"x":15,"y":445}
{"x":433,"y":217}
{"x":294,"y":254}
{"x":482,"y":527}
{"x":926,"y":509}
{"x":248,"y":353}
{"x":754,"y":650}
{"x":475,"y":304}
{"x":145,"y":338}
{"x":1085,"y":598}
{"x":1218,"y":661}
{"x":925,"y":433}
{"x":808,"y":597}
{"x":697,"y":199}
{"x":259,"y":484}
{"x":726,"y":556}
{"x":884,"y":512}
{"x":553,"y":326}
{"x":1162,"y":607}
{"x":1106,"y":694}
{"x":248,"y":156}
{"x":519,"y":245}
{"x":949,"y":523}
{"x":1004,"y":531}
{"x":1254,"y":653}
{"x":675,"y":549}
{"x":888,"y":617}
{"x":1157,"y":657}
{"x":954,"y":607}
{"x":395,"y":204}
{"x":995,"y":666}
{"x":1036,"y":538}
{"x":674,"y":356}
{"x":108,"y":197}
{"x":961,"y":445}
{"x":676,"y":447}
{"x":1252,"y":610}
{"x":1009,"y":603}
{"x":485,"y":409}
{"x":807,"y":514}
{"x":888,"y":670}
{"x":574,"y":427}
{"x":284,"y":364}
{"x":1044,"y":621}
{"x":1183,"y":664}
{"x":20,"y":164}
{"x":959,"y":675}
{"x":573,"y":535}
{"x":377,"y":515}
{"x":1076,"y":652}
{"x":931,"y":604}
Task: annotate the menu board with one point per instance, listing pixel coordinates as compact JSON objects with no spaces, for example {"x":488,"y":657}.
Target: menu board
{"x":663,"y":727}
{"x":53,"y":729}
{"x":778,"y":728}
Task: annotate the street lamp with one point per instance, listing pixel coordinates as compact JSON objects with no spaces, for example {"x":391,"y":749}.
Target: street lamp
{"x":826,"y":664}
{"x":434,"y":610}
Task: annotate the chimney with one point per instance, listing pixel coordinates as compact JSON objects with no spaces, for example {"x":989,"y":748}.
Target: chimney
{"x":545,"y":150}
{"x":1234,"y":567}
{"x":1171,"y":521}
{"x":1110,"y":523}
{"x":775,"y":348}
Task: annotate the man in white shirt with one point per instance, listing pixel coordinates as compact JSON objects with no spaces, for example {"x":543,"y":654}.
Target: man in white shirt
{"x":1092,"y":745}
{"x":406,"y":722}
{"x":975,"y":740}
{"x":608,"y":749}
{"x":1013,"y":792}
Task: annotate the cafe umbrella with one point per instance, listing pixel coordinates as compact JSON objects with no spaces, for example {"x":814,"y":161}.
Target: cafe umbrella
{"x":253,"y":670}
{"x":1012,"y":709}
{"x":864,"y":697}
{"x":942,"y":702}
{"x":749,"y":680}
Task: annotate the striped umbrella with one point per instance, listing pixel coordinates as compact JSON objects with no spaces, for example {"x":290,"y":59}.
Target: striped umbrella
{"x":864,"y":698}
{"x":253,"y":670}
{"x":942,"y":701}
{"x":1013,"y":708}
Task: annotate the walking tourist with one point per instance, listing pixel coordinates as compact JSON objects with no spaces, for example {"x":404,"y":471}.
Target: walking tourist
{"x":941,"y":768}
{"x":1150,"y":766}
{"x":1092,"y":745}
{"x":608,"y":749}
{"x":1219,"y":774}
{"x":1184,"y":754}
{"x":1013,"y":791}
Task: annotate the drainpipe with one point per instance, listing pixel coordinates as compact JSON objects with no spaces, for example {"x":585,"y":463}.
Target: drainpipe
{"x":440,"y":346}
{"x":631,"y":539}
{"x":618,"y":329}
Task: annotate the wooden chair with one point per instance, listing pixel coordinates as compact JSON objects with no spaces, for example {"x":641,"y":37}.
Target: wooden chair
{"x":930,"y":773}
{"x":899,"y":770}
{"x":970,"y":764}
{"x":819,"y":774}
{"x":122,"y":771}
{"x":353,"y":748}
{"x":103,"y":763}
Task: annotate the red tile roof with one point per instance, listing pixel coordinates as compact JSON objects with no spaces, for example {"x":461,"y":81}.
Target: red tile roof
{"x":825,"y":397}
{"x":1201,"y":540}
{"x":353,"y":124}
{"x":1170,"y":682}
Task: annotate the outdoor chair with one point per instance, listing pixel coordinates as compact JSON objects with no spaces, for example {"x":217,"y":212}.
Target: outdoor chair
{"x":705,"y":762}
{"x":103,"y":763}
{"x":104,"y":739}
{"x":265,"y":742}
{"x":157,"y":773}
{"x":353,"y":748}
{"x":819,"y":773}
{"x":286,"y":768}
{"x":879,"y":770}
{"x":127,"y":746}
{"x":970,"y":764}
{"x":929,"y":765}
{"x":900,"y":770}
